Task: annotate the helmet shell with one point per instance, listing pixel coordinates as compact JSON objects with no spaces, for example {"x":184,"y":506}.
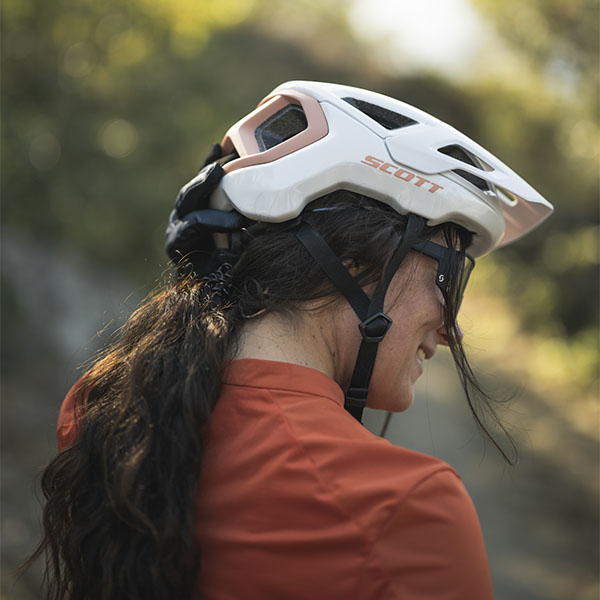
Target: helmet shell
{"x":350,"y":141}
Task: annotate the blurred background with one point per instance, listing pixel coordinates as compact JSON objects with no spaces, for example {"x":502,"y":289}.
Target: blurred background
{"x":108,"y":108}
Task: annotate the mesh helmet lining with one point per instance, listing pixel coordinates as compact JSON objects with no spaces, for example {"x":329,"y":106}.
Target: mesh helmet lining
{"x":284,"y":124}
{"x":387,"y":118}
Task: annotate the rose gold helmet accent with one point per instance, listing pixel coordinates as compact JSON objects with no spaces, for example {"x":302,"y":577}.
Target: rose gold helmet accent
{"x":240,"y":137}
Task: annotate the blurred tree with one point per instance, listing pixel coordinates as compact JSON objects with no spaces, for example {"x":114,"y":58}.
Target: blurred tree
{"x":546,"y":117}
{"x":109,"y":108}
{"x":560,"y":38}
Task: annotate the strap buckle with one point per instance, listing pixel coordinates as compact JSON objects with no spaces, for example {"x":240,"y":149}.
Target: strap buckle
{"x":375,"y":327}
{"x":356,"y":397}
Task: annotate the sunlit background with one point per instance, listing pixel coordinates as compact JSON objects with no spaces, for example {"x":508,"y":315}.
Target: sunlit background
{"x":108,"y":107}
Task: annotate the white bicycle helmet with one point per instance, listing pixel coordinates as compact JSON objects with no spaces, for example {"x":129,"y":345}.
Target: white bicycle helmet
{"x":306,"y":139}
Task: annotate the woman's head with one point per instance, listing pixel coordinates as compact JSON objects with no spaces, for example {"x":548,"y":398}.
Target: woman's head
{"x":308,"y":138}
{"x":275,"y":274}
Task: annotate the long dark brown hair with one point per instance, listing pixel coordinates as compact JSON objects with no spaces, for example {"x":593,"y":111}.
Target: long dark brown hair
{"x":120,"y":500}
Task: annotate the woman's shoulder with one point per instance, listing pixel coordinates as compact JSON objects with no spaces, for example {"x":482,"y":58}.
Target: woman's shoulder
{"x":384,"y":488}
{"x":359,"y":469}
{"x":365,"y":469}
{"x":310,"y":407}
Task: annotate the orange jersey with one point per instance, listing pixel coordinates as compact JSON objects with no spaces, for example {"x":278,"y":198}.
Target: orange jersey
{"x":297,"y":500}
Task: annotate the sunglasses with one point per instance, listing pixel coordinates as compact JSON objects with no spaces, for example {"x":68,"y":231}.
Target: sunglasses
{"x":445,"y":257}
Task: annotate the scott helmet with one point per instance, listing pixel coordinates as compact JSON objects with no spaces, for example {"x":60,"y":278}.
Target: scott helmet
{"x":306,"y":139}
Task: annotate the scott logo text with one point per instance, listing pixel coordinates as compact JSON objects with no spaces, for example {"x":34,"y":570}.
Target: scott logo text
{"x":403,"y":174}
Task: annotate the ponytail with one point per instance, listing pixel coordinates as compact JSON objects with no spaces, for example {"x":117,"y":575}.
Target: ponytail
{"x":119,"y":516}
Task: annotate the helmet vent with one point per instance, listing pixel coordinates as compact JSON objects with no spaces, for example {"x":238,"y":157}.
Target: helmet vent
{"x":482,"y":184}
{"x":284,"y":124}
{"x":459,"y":153}
{"x":463,"y":155}
{"x":383,"y":116}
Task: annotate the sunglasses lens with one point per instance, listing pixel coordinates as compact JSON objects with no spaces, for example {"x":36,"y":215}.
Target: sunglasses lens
{"x":467,"y":270}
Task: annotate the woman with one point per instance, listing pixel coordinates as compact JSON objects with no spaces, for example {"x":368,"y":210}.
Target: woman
{"x":322,"y":253}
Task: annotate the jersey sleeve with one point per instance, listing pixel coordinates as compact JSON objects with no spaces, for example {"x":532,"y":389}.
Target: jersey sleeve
{"x":432,"y":547}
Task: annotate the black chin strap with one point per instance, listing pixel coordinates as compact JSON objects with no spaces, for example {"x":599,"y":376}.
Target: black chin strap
{"x":374,"y":323}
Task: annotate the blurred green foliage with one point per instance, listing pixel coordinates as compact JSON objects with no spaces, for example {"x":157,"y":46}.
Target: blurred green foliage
{"x":559,"y":38}
{"x":552,"y":276}
{"x":109,"y":107}
{"x":108,"y":110}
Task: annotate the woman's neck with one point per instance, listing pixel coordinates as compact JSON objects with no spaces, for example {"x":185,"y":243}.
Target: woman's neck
{"x":309,"y":340}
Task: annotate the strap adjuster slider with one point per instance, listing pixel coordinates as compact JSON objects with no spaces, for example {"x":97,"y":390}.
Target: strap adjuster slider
{"x":375,"y":327}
